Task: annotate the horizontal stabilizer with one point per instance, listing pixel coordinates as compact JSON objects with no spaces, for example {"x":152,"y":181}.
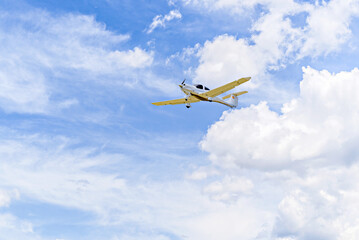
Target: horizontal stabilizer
{"x":235,"y":94}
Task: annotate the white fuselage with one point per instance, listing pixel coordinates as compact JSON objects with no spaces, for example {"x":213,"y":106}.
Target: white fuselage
{"x":198,"y":90}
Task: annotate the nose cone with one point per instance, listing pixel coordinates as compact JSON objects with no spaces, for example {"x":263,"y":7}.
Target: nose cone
{"x":181,"y":86}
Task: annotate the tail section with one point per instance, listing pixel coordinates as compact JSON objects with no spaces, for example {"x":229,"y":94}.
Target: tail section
{"x":233,"y":99}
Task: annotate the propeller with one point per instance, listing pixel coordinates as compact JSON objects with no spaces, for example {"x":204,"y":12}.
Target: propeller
{"x":183,"y":81}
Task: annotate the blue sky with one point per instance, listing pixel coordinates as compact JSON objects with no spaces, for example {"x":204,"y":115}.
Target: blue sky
{"x":85,"y":155}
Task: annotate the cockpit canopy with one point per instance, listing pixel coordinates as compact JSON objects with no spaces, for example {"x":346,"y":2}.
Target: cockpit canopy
{"x":199,"y":86}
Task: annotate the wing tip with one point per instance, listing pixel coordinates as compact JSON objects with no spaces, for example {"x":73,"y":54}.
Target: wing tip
{"x":245,"y":79}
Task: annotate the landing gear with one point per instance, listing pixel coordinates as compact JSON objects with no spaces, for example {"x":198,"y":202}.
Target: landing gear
{"x":188,"y":105}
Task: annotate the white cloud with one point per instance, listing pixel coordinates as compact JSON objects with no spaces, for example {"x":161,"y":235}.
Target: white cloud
{"x":6,"y":196}
{"x":225,"y":59}
{"x":328,"y":27}
{"x":275,"y":39}
{"x":160,"y":21}
{"x":313,"y":140}
{"x":51,"y":171}
{"x":202,"y":173}
{"x":317,"y":203}
{"x":229,"y":188}
{"x":237,"y":6}
{"x":60,"y":174}
{"x":320,"y":205}
{"x":240,"y":220}
{"x":318,"y":126}
{"x":37,"y":49}
{"x":13,"y":228}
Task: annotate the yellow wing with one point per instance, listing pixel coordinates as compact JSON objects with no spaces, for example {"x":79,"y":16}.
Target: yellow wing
{"x":191,"y":99}
{"x":217,"y":91}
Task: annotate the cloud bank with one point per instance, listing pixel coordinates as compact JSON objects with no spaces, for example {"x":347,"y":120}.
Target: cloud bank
{"x":301,"y":161}
{"x":319,"y":125}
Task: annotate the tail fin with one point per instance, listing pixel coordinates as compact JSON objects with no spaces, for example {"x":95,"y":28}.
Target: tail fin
{"x":233,"y":99}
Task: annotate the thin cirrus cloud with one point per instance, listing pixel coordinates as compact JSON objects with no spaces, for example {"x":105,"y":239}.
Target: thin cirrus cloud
{"x":14,"y":228}
{"x":10,"y":225}
{"x":37,"y":47}
{"x":52,"y":171}
{"x":161,"y":21}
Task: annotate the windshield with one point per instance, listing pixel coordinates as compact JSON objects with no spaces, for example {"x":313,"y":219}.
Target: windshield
{"x":199,"y":86}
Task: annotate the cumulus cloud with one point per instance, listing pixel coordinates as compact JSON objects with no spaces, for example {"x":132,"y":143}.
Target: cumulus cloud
{"x":300,"y":163}
{"x":276,"y":39}
{"x":160,"y":21}
{"x":328,"y":27}
{"x":37,"y":49}
{"x":318,"y":126}
{"x":227,"y":58}
{"x":320,"y":205}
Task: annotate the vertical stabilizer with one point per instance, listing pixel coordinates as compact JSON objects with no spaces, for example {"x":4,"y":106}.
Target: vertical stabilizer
{"x":233,"y":100}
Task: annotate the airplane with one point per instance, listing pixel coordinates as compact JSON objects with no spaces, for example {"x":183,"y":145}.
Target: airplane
{"x":198,"y":92}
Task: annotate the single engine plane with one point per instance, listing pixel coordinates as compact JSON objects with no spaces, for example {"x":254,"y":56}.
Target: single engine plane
{"x":198,"y":92}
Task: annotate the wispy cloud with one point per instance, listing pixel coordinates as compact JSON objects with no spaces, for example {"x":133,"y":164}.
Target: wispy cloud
{"x":161,"y":21}
{"x":37,"y":49}
{"x":14,"y":228}
{"x":119,"y":184}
